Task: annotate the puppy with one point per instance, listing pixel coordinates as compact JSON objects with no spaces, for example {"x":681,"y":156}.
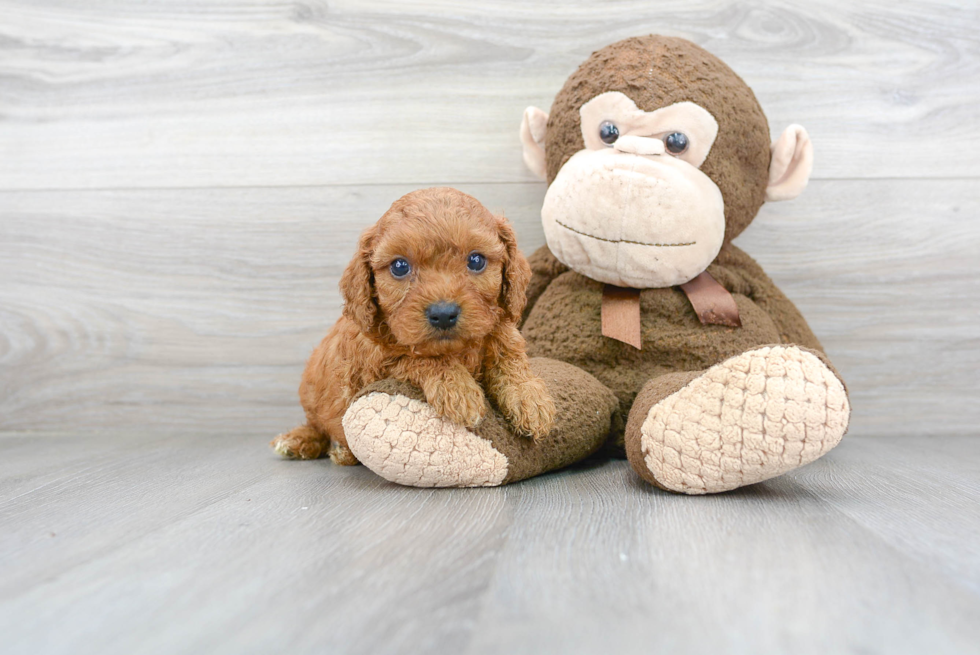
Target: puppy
{"x":432,"y":297}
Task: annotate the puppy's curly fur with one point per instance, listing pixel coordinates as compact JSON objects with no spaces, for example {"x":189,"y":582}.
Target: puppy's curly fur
{"x":385,"y":331}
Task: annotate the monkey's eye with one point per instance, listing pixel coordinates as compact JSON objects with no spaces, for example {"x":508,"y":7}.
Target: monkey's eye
{"x":400,"y":268}
{"x":676,"y":143}
{"x":608,"y":132}
{"x":476,"y":262}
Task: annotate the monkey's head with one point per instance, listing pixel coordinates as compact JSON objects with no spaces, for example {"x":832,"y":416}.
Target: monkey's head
{"x":656,"y":154}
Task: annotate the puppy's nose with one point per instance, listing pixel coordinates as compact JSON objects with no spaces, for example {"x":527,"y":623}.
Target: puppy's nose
{"x":442,"y":315}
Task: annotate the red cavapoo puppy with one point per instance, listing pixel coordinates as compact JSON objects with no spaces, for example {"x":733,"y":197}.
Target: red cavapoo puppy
{"x":432,"y":297}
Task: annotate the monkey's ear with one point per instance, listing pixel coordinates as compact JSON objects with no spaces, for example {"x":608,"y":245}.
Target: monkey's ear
{"x":533,"y":128}
{"x":791,"y":164}
{"x":357,"y":286}
{"x":516,"y":273}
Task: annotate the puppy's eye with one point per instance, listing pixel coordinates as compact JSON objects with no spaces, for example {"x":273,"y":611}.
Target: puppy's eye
{"x":676,"y":143}
{"x":476,"y":262}
{"x":400,"y":268}
{"x":608,"y":133}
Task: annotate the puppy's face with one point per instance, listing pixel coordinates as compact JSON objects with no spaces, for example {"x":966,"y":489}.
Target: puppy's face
{"x":442,"y":273}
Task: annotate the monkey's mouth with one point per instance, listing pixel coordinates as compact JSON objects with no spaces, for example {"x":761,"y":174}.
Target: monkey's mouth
{"x":635,"y":243}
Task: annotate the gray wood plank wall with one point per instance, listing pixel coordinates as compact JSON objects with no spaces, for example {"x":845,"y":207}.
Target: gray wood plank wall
{"x":182,"y":182}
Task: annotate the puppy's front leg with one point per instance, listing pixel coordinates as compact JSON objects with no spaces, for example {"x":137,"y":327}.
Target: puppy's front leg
{"x":450,"y":389}
{"x":520,"y":394}
{"x":456,"y":395}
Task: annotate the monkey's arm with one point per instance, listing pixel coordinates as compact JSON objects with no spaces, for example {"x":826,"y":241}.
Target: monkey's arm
{"x":545,"y":267}
{"x":792,"y":327}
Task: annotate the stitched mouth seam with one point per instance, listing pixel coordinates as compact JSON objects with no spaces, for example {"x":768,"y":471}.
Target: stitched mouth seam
{"x":636,"y":243}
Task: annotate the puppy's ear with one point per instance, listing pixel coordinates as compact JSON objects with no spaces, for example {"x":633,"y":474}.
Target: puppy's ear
{"x":516,"y":273}
{"x":357,"y":286}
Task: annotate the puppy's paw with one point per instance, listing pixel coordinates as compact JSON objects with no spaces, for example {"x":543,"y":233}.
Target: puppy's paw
{"x":300,"y":443}
{"x":461,"y":401}
{"x":528,"y":407}
{"x":341,"y":455}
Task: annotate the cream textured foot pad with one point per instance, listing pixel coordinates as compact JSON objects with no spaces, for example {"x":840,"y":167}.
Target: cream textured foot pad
{"x":403,"y":440}
{"x":747,"y":419}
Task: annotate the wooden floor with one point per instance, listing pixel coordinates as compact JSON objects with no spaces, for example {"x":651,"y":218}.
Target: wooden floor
{"x":182,"y":183}
{"x":209,"y":544}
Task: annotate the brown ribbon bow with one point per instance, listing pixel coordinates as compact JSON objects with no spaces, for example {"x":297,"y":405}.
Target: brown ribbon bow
{"x":712,"y":302}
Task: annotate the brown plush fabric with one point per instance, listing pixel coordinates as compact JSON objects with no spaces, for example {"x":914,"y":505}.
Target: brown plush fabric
{"x":585,"y":407}
{"x":564,"y":323}
{"x":656,"y":71}
{"x":545,"y":267}
{"x":652,"y":393}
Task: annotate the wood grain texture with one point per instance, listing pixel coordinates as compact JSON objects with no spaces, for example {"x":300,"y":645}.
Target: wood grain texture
{"x":191,"y":309}
{"x":159,"y":299}
{"x":202,"y":543}
{"x":200,"y":93}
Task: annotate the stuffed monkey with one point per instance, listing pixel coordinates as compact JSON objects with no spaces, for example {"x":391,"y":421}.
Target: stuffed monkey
{"x":657,"y":337}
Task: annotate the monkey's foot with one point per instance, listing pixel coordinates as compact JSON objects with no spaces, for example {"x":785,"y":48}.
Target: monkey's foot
{"x":404,"y":441}
{"x":399,"y":436}
{"x":745,"y":420}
